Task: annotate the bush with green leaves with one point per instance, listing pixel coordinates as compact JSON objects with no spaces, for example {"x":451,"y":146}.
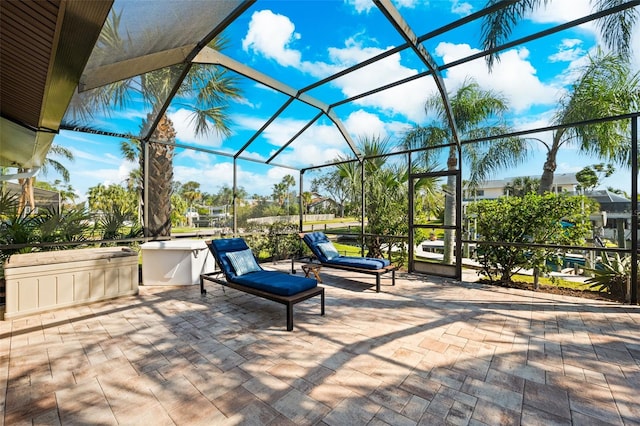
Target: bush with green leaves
{"x":280,"y":241}
{"x":554,"y":219}
{"x":117,"y":223}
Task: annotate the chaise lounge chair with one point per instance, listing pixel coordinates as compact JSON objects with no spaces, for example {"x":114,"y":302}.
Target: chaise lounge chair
{"x":326,"y":255}
{"x":243,"y":273}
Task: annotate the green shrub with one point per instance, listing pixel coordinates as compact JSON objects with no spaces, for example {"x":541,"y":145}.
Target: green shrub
{"x":554,"y":219}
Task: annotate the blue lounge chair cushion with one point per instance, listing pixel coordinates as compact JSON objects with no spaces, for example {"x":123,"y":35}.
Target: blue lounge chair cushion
{"x":243,"y":261}
{"x":313,"y":240}
{"x":359,"y":262}
{"x":270,"y":281}
{"x":327,"y":248}
{"x":276,"y":282}
{"x":221,"y":248}
{"x":316,"y":239}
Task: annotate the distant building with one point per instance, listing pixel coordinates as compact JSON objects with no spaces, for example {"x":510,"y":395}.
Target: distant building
{"x":492,"y":189}
{"x":320,"y":204}
{"x":44,"y":199}
{"x":616,"y":216}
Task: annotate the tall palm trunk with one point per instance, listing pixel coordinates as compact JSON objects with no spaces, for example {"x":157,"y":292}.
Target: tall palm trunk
{"x":26,"y":192}
{"x":549,"y":167}
{"x":450,"y":208}
{"x":160,"y":179}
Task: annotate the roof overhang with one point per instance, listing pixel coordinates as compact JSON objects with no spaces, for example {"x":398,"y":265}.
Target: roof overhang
{"x":45,"y":47}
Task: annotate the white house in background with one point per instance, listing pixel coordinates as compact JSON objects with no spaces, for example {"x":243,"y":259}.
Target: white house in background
{"x":613,"y":221}
{"x":492,"y":189}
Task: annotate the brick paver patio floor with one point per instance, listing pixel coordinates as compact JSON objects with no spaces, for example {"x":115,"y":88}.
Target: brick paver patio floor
{"x":428,"y":351}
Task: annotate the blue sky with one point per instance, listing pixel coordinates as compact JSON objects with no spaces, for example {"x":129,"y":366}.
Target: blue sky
{"x":300,"y":42}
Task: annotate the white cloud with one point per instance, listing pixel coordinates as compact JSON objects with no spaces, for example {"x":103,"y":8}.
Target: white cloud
{"x":569,"y":50}
{"x":220,"y":174}
{"x":568,"y":168}
{"x":513,"y":76}
{"x":270,"y":35}
{"x":361,"y":6}
{"x":107,"y":176}
{"x":210,"y":176}
{"x":124,"y":170}
{"x":461,"y":8}
{"x":365,"y":6}
{"x":561,"y":11}
{"x":361,"y":123}
{"x":318,"y":144}
{"x":183,"y":123}
{"x":104,"y":158}
{"x":406,"y":100}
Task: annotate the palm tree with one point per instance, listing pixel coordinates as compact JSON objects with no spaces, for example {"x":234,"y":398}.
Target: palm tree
{"x":348,"y":177}
{"x":616,"y":28}
{"x":605,"y":88}
{"x":190,"y":191}
{"x":27,"y":184}
{"x":281,"y":191}
{"x":210,"y":86}
{"x":384,"y":190}
{"x":477,"y":114}
{"x":521,"y":186}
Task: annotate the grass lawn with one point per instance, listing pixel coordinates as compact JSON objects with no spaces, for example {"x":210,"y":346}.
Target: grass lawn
{"x":555,"y":282}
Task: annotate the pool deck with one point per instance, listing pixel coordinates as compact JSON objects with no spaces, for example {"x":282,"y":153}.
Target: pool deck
{"x":427,"y":351}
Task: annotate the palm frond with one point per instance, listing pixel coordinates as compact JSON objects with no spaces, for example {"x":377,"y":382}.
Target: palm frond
{"x":497,"y":26}
{"x":617,"y":28}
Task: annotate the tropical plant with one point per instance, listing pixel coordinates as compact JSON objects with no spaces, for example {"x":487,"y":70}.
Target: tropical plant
{"x":615,"y":29}
{"x":179,"y":210}
{"x":591,"y":176}
{"x":606,"y":87}
{"x":16,"y":227}
{"x":210,"y":87}
{"x":66,"y":225}
{"x":191,"y":192}
{"x":116,"y":223}
{"x":102,"y":198}
{"x":553,"y":219}
{"x":281,"y":191}
{"x":521,"y":186}
{"x":51,"y":226}
{"x":385,"y":192}
{"x":477,"y":114}
{"x":612,"y":275}
{"x":349,"y":176}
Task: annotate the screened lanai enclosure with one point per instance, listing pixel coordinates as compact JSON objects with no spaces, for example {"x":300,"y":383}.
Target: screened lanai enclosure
{"x":409,"y":118}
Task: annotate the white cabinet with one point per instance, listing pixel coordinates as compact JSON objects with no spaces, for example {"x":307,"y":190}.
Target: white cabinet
{"x":175,"y":262}
{"x":38,"y":282}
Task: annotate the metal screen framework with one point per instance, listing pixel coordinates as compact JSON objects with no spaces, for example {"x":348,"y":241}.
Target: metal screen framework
{"x":194,"y":51}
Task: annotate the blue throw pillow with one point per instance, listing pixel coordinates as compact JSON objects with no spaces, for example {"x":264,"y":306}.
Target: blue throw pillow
{"x":243,"y":261}
{"x":328,"y":250}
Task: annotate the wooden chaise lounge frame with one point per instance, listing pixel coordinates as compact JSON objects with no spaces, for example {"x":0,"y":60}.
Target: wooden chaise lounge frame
{"x":377,"y":272}
{"x":219,"y":278}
